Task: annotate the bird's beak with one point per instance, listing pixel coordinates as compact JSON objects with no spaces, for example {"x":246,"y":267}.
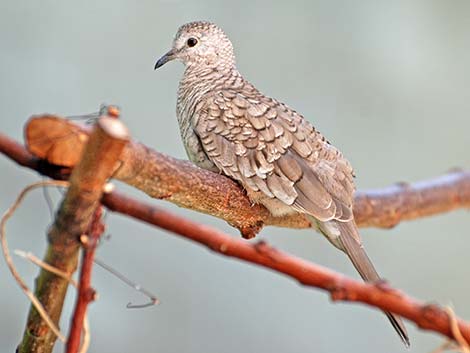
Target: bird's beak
{"x":165,"y":58}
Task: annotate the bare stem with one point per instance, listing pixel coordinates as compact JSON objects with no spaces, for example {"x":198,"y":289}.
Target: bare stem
{"x":72,"y":220}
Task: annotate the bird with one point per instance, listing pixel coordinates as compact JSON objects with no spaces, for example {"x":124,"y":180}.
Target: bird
{"x":228,"y":126}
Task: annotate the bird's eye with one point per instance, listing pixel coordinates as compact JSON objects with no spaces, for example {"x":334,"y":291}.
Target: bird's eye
{"x":191,"y":42}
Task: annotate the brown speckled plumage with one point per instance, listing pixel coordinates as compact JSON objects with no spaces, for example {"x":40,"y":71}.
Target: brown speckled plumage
{"x":228,"y":126}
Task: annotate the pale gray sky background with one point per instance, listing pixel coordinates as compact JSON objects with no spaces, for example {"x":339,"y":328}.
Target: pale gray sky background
{"x":387,"y":82}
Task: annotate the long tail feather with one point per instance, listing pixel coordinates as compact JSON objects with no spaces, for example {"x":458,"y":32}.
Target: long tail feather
{"x":347,"y":239}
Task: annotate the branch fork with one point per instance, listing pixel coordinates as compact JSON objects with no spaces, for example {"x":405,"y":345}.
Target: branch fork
{"x":59,"y":145}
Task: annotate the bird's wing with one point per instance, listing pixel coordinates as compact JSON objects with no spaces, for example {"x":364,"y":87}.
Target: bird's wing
{"x":269,"y":147}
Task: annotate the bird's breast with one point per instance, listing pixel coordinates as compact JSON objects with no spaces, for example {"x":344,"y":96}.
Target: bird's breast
{"x":190,"y":98}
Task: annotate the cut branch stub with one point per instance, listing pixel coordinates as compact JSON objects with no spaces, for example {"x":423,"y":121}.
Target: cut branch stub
{"x":55,"y":139}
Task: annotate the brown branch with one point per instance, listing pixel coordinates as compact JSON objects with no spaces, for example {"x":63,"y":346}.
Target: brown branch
{"x":389,"y":206}
{"x":86,"y":294}
{"x":380,"y":295}
{"x":182,"y":183}
{"x":429,"y":317}
{"x":82,"y":198}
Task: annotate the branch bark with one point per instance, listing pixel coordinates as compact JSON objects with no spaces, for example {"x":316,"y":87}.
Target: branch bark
{"x":182,"y":183}
{"x":429,"y":317}
{"x":380,"y":295}
{"x":86,"y":294}
{"x":72,"y":220}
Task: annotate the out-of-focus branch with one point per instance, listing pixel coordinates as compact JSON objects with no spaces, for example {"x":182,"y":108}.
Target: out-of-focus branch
{"x":86,"y":294}
{"x":72,"y":220}
{"x":182,"y":183}
{"x":380,"y":295}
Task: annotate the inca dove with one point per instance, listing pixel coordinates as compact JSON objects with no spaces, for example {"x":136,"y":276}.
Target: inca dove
{"x":228,"y":126}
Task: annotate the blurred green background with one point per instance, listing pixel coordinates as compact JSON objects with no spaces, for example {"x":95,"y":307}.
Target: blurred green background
{"x":387,"y":82}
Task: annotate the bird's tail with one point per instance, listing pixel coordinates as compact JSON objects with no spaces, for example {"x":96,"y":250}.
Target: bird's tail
{"x":345,"y":236}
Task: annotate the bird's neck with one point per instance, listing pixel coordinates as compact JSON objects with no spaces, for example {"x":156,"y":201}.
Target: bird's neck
{"x":198,"y":76}
{"x":198,"y":80}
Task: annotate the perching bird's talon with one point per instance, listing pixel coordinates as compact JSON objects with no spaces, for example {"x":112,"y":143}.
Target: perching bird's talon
{"x":250,"y":232}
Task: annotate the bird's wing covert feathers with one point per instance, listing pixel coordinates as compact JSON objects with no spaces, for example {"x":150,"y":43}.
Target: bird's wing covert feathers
{"x":269,"y":147}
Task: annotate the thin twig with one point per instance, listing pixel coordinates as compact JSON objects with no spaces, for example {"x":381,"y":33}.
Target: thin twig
{"x":37,"y":261}
{"x":153,"y":300}
{"x":47,"y":197}
{"x":454,"y":325}
{"x":460,"y":344}
{"x":445,"y":346}
{"x":86,"y":335}
{"x":86,"y":293}
{"x":6,"y":252}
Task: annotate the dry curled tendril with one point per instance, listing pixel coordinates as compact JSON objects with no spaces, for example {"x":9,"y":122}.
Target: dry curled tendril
{"x":7,"y":255}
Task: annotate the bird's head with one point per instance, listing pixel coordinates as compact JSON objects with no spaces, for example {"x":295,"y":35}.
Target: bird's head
{"x":201,"y":44}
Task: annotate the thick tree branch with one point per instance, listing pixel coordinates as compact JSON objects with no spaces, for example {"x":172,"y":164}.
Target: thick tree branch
{"x":72,"y":220}
{"x":180,"y":182}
